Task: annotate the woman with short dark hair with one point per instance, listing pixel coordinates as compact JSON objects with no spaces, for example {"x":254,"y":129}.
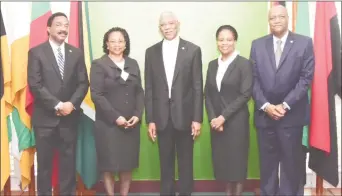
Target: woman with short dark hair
{"x":228,"y":89}
{"x":117,"y":93}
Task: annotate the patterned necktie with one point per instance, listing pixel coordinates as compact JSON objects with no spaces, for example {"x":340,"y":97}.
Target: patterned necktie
{"x":60,"y":61}
{"x":278,"y":53}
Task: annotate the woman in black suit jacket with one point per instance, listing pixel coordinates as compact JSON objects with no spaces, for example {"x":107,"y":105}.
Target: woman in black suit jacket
{"x":227,"y":91}
{"x":116,"y":91}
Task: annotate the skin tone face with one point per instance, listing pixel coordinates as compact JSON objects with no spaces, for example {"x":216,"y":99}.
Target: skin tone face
{"x":59,"y":29}
{"x":226,"y":43}
{"x":278,"y":20}
{"x":116,"y":43}
{"x":168,"y":25}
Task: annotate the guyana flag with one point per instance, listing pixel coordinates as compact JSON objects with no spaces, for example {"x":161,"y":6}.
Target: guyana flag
{"x":326,"y":84}
{"x":4,"y":74}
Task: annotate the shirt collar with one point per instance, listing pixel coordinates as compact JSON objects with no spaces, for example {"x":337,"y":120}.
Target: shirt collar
{"x":229,"y":60}
{"x":175,"y":41}
{"x":55,"y":46}
{"x":283,"y":39}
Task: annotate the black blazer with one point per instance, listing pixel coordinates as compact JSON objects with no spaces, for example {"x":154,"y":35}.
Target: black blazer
{"x":187,"y":87}
{"x":48,"y":87}
{"x":236,"y":91}
{"x":113,"y":97}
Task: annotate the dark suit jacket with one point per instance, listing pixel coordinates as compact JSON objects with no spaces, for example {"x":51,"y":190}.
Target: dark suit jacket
{"x":289,"y":83}
{"x":112,"y":96}
{"x":48,"y":87}
{"x":187,"y":87}
{"x":236,"y":90}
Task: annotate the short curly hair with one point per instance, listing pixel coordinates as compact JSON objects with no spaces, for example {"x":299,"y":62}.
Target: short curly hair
{"x":125,"y":35}
{"x":229,"y":28}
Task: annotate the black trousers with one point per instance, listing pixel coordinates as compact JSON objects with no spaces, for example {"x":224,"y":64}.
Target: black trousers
{"x":64,"y":139}
{"x":171,"y":142}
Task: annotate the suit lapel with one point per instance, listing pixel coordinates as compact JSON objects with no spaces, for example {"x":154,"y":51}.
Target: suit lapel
{"x":159,"y":52}
{"x":51,"y":58}
{"x":181,"y":54}
{"x":287,"y":48}
{"x":229,"y":70}
{"x":67,"y":62}
{"x":109,"y":61}
{"x":270,"y":51}
{"x":213,"y":76}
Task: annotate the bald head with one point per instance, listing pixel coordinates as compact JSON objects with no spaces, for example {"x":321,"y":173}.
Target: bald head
{"x":278,"y":9}
{"x":278,"y":19}
{"x":168,"y":25}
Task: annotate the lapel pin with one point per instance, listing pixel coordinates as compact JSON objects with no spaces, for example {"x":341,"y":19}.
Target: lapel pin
{"x":70,"y":50}
{"x":291,"y":41}
{"x":183,"y":48}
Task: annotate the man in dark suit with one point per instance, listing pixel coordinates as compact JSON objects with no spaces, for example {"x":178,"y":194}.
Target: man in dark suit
{"x":174,"y":102}
{"x":283,"y":66}
{"x":58,"y":80}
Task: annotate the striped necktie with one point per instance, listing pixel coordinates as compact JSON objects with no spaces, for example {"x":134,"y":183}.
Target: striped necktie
{"x":60,"y":61}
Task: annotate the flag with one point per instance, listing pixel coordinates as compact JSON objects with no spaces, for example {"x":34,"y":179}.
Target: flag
{"x":86,"y":153}
{"x":5,"y":69}
{"x":16,"y":20}
{"x":326,"y":84}
{"x":300,"y":12}
{"x":4,"y":65}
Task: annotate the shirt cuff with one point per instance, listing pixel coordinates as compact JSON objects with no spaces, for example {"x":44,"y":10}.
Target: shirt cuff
{"x":286,"y":106}
{"x":58,"y":106}
{"x":263,"y":107}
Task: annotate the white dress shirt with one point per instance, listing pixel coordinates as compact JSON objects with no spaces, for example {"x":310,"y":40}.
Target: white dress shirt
{"x":283,"y":41}
{"x":170,"y":50}
{"x":55,"y":47}
{"x":222,"y":68}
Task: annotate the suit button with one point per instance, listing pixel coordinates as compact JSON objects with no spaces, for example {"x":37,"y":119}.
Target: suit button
{"x":126,"y":102}
{"x":126,"y":93}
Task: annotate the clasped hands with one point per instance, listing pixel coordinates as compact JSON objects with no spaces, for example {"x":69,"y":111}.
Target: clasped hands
{"x":122,"y":122}
{"x":195,"y":130}
{"x":217,"y":123}
{"x":275,"y":112}
{"x":64,"y":109}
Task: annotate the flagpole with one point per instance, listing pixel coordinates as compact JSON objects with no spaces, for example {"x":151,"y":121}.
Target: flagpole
{"x":7,"y":187}
{"x":319,"y":186}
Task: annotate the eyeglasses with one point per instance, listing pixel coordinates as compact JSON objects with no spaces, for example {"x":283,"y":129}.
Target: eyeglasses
{"x":116,"y":42}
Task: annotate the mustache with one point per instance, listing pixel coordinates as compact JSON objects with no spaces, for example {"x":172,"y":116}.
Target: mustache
{"x":63,"y":32}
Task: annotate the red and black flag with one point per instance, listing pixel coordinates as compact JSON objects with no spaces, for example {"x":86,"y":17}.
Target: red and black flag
{"x":326,"y":84}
